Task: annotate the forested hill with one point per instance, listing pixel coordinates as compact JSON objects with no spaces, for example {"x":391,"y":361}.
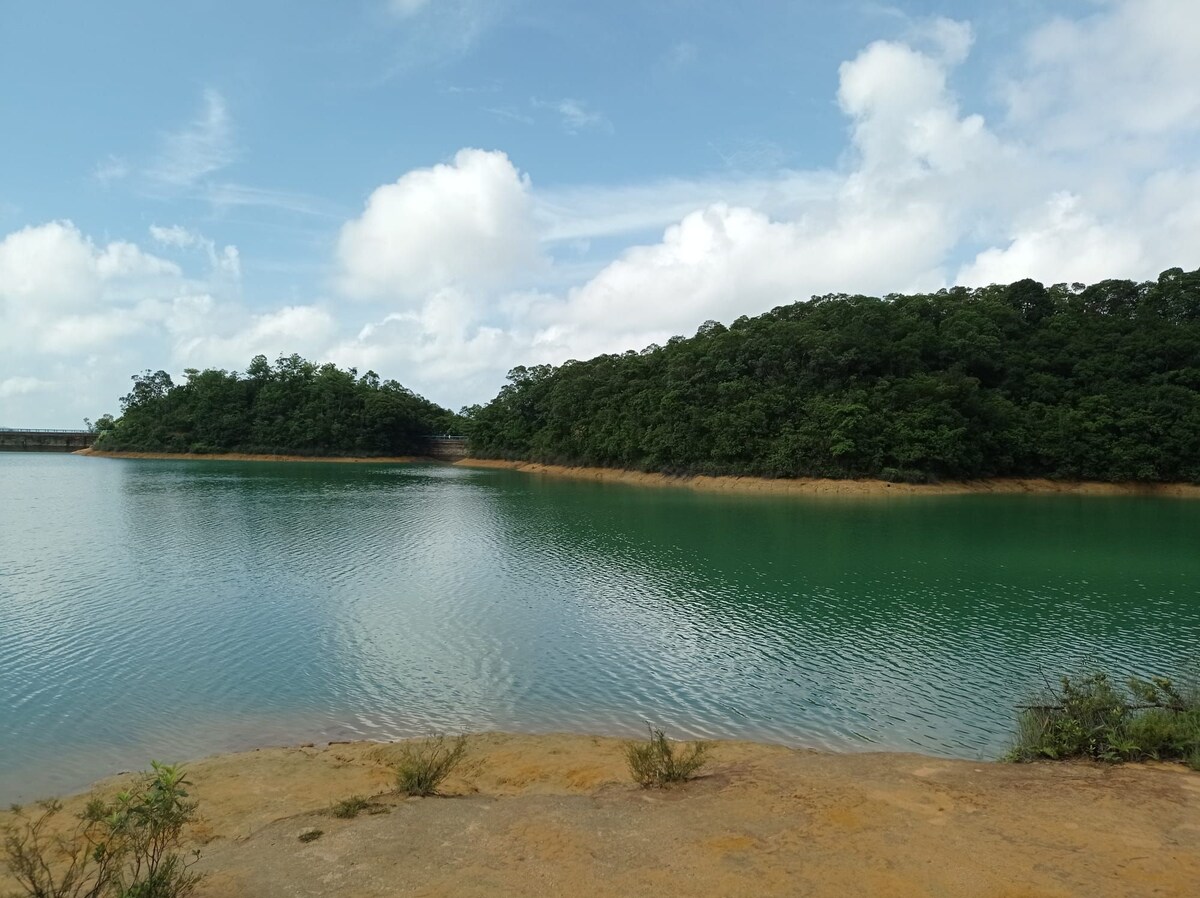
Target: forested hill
{"x":1073,"y":382}
{"x":293,"y":407}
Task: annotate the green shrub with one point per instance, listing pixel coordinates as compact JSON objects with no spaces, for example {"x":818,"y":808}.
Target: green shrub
{"x":423,"y":765}
{"x":1093,"y":718}
{"x":124,"y":848}
{"x":659,"y":762}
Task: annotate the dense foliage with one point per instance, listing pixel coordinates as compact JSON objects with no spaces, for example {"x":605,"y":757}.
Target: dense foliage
{"x":1073,"y":382}
{"x":293,"y":406}
{"x":1093,"y":717}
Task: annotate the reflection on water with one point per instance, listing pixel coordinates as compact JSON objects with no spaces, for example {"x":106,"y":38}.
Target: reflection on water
{"x":173,"y":609}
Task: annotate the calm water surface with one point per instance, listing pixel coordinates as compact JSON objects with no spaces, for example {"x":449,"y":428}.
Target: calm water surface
{"x":173,"y":609}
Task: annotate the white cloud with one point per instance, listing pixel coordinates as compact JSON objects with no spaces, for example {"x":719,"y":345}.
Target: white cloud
{"x":306,"y":329}
{"x":203,"y":146}
{"x":175,"y":235}
{"x":226,"y":262}
{"x":950,"y":39}
{"x":233,"y":196}
{"x":1129,"y":72}
{"x":509,"y":114}
{"x":87,"y":314}
{"x":109,"y":169}
{"x":464,"y":224}
{"x":906,"y":124}
{"x":440,"y":348}
{"x":53,"y":266}
{"x":575,"y":115}
{"x":591,"y":211}
{"x":1062,"y":243}
{"x":21,"y":386}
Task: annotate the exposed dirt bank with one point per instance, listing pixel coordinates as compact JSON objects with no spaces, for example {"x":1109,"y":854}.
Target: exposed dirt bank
{"x":808,"y":486}
{"x":246,"y":456}
{"x":557,"y":815}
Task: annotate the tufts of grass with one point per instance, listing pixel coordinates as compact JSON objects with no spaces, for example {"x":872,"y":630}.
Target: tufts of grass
{"x":349,"y":808}
{"x":1093,"y":717}
{"x":660,"y":762}
{"x":311,"y":835}
{"x":424,"y":765}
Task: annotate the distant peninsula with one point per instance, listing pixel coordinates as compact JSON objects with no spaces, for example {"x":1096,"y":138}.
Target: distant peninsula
{"x":292,"y":408}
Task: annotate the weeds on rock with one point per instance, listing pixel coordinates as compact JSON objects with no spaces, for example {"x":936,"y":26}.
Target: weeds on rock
{"x":128,"y":847}
{"x":349,"y":808}
{"x":423,"y":765}
{"x":659,"y":762}
{"x":1092,"y":717}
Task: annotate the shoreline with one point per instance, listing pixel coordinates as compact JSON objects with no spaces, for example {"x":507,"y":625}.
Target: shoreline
{"x":800,"y":486}
{"x":828,"y":487}
{"x":559,"y":814}
{"x":253,"y":456}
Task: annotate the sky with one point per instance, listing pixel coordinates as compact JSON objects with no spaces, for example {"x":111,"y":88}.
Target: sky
{"x":439,"y":190}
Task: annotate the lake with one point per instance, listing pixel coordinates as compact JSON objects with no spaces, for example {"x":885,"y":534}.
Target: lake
{"x":173,"y":609}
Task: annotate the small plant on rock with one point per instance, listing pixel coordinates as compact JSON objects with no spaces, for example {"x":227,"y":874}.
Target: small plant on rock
{"x":128,"y":847}
{"x":423,"y":765}
{"x":660,"y":762}
{"x":349,"y":808}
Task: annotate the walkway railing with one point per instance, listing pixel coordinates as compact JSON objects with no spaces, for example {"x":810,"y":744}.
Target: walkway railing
{"x":81,"y":433}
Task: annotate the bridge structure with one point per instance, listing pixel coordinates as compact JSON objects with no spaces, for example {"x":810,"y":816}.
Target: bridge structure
{"x":42,"y":439}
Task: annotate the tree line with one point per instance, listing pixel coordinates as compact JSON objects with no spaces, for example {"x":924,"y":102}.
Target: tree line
{"x":1098,"y":382}
{"x":290,"y":407}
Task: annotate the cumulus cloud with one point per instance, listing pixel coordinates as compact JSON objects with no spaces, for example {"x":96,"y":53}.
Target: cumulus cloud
{"x":1129,"y":72}
{"x":724,"y":261}
{"x":1060,"y":243}
{"x":464,"y":224}
{"x":306,"y":329}
{"x":74,"y":311}
{"x":54,"y":266}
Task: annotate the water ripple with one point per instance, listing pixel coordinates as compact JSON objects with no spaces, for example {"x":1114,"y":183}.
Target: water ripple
{"x":175,"y":609}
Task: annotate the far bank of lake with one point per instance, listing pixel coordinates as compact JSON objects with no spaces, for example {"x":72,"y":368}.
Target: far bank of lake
{"x":804,"y":486}
{"x":821,"y":486}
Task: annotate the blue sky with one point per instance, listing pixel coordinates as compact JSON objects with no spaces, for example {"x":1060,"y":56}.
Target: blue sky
{"x":441,"y":189}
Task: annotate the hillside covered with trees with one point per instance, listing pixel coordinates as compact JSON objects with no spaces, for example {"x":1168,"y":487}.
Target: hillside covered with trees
{"x":1072,"y":382}
{"x":293,"y":407}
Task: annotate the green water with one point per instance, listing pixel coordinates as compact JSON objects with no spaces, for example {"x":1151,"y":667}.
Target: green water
{"x":173,"y":609}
